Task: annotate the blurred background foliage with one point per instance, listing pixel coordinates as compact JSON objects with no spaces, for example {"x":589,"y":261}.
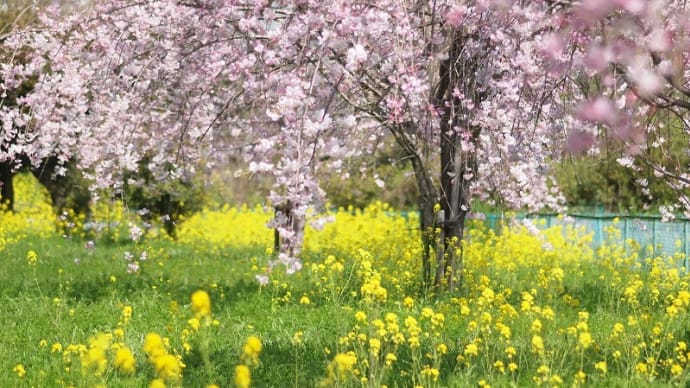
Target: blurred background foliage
{"x":600,"y":182}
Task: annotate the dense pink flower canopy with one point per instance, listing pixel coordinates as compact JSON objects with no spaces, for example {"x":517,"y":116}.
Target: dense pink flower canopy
{"x":299,"y":86}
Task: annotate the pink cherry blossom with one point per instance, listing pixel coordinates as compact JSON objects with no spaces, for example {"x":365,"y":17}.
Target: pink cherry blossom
{"x":494,"y":90}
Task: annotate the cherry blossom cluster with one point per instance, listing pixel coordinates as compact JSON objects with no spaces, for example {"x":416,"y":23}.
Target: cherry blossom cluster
{"x":296,"y":87}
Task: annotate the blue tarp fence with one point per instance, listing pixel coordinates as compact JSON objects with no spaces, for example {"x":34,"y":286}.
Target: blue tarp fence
{"x":667,"y":238}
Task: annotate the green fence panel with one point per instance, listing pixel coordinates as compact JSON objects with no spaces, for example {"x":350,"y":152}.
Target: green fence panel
{"x":667,"y":238}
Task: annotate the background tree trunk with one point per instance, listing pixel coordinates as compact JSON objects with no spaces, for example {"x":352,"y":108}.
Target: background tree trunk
{"x":295,"y":224}
{"x":428,"y":199}
{"x":7,"y":187}
{"x":66,"y":192}
{"x":456,"y":75}
{"x":454,"y":205}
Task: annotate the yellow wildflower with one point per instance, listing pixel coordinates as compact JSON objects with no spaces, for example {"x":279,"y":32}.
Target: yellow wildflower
{"x":601,"y":366}
{"x":342,"y":364}
{"x":194,"y":324}
{"x":555,"y":380}
{"x":360,"y":316}
{"x":95,"y":360}
{"x":585,"y":340}
{"x":201,"y":303}
{"x":243,"y":378}
{"x":374,"y":346}
{"x":471,"y":350}
{"x":297,"y":338}
{"x":168,"y":367}
{"x":433,"y":373}
{"x":676,"y":369}
{"x":251,"y":350}
{"x":504,"y":330}
{"x":536,"y":326}
{"x":126,"y":314}
{"x":537,"y":344}
{"x":124,"y":361}
{"x":618,"y":329}
{"x":32,"y":258}
{"x":19,"y":370}
{"x":580,"y":377}
{"x":390,"y":359}
{"x":408,"y":302}
{"x":119,"y":333}
{"x":153,"y":344}
{"x":157,"y":383}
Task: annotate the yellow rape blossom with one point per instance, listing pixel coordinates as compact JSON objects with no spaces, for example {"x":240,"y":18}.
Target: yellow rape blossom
{"x":585,"y":340}
{"x":390,"y":359}
{"x":601,"y":367}
{"x":408,"y":302}
{"x":168,"y":367}
{"x":430,"y":372}
{"x":298,"y":338}
{"x":124,"y":361}
{"x":201,"y":303}
{"x":153,"y":344}
{"x":32,"y":258}
{"x":341,"y":366}
{"x":676,"y":369}
{"x":471,"y":350}
{"x":157,"y":383}
{"x":19,"y":370}
{"x":361,"y":316}
{"x":243,"y":378}
{"x":251,"y":349}
{"x":537,"y":345}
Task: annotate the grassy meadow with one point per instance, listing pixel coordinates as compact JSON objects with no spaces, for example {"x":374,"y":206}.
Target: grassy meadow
{"x":83,"y":305}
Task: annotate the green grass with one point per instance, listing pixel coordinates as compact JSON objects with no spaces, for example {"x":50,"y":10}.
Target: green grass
{"x":60,"y":300}
{"x":90,"y":300}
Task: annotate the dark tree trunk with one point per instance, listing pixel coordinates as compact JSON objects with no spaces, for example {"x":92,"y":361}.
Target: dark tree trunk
{"x":454,"y":211}
{"x":443,"y":229}
{"x":428,"y":199}
{"x":428,"y":221}
{"x":64,"y":190}
{"x":7,"y":188}
{"x":456,"y":85}
{"x":294,"y":224}
{"x":454,"y":206}
{"x":45,"y":174}
{"x":173,"y":217}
